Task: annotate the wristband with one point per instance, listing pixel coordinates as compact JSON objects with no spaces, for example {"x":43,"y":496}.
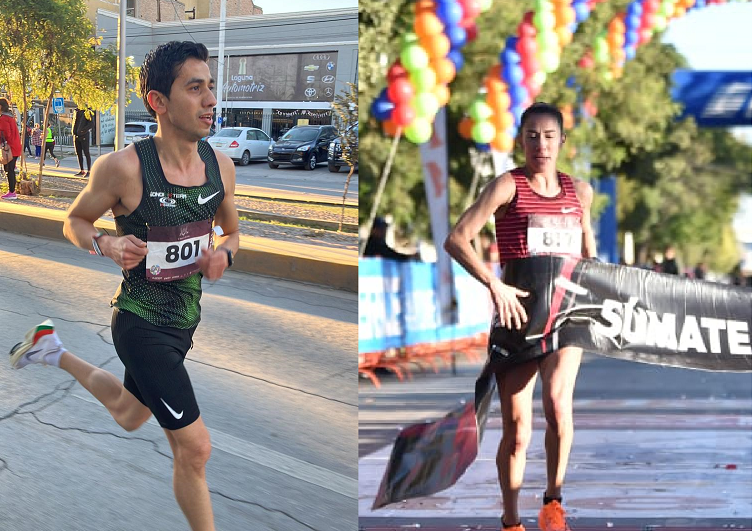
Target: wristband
{"x":95,"y":244}
{"x":229,"y":256}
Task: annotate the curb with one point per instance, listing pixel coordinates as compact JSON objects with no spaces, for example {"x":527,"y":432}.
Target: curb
{"x":283,"y":260}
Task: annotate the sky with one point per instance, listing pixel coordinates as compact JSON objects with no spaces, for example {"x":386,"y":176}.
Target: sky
{"x":271,"y":7}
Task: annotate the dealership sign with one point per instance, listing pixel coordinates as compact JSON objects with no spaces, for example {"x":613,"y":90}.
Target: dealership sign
{"x":282,"y":77}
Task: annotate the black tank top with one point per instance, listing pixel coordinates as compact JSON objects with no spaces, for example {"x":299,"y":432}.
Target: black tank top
{"x":176,"y":222}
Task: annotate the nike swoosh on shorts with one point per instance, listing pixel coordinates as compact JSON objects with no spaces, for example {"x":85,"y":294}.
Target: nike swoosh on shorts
{"x":172,"y":411}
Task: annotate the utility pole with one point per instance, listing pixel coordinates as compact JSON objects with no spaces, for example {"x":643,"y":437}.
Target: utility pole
{"x":120,"y":119}
{"x":159,"y":10}
{"x":221,"y":62}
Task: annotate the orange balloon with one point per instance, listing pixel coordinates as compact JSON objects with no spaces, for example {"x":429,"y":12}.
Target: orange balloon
{"x":389,"y":128}
{"x":466,"y":128}
{"x":427,"y":24}
{"x":437,"y":46}
{"x":565,"y":36}
{"x":442,"y":93}
{"x":565,"y":15}
{"x":617,"y":25}
{"x":495,"y":71}
{"x":679,"y":11}
{"x":617,"y":71}
{"x":618,"y":56}
{"x":498,"y":100}
{"x":494,"y":84}
{"x":502,"y":120}
{"x":615,"y":41}
{"x":502,"y":142}
{"x":566,"y":113}
{"x":444,"y":68}
{"x":425,"y":6}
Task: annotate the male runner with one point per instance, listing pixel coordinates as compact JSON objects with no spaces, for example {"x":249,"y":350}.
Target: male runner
{"x":166,"y":193}
{"x":538,"y":210}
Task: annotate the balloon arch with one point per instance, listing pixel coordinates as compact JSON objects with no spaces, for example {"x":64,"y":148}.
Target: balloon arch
{"x":417,"y":83}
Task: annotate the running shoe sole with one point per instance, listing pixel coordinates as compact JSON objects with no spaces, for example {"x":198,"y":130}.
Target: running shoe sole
{"x":32,"y":336}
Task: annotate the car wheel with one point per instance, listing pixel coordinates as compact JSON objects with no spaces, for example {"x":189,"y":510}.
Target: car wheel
{"x":311,"y":164}
{"x":245,"y":158}
{"x":333,"y":167}
{"x":273,"y":166}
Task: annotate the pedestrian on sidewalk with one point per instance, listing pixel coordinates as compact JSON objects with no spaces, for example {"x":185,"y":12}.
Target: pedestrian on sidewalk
{"x":165,"y":193}
{"x":27,"y":141}
{"x":36,"y":140}
{"x":49,"y":146}
{"x":538,"y":210}
{"x":9,"y":134}
{"x":82,"y":124}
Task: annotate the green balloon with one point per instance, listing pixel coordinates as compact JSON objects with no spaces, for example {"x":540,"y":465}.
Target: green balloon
{"x":480,"y":111}
{"x":426,"y":105}
{"x":547,"y":40}
{"x":659,"y":22}
{"x":414,"y":57}
{"x":544,"y":20}
{"x":408,"y":38}
{"x":423,"y":80}
{"x":419,"y":131}
{"x":485,"y":5}
{"x":600,"y":51}
{"x":540,"y":77}
{"x":483,"y":132}
{"x":607,"y":75}
{"x":549,"y":61}
{"x":542,"y":5}
{"x":666,"y":9}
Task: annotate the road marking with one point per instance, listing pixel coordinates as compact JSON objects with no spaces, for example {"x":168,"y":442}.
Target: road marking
{"x":255,"y":453}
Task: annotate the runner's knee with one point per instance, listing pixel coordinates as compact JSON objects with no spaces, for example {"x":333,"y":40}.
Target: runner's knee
{"x":516,"y":435}
{"x":194,"y":453}
{"x":559,"y":415}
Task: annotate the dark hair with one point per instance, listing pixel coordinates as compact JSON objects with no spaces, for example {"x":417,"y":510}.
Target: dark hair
{"x":4,"y":105}
{"x":541,"y":108}
{"x":161,"y":66}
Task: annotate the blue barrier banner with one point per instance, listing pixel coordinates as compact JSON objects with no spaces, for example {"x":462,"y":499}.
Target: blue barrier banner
{"x":715,"y":99}
{"x":398,"y":305}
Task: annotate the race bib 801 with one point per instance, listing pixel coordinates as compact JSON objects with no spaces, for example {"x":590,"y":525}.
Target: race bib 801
{"x":554,"y":234}
{"x":172,"y":251}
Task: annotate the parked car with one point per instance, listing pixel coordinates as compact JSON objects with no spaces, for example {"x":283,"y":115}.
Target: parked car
{"x":335,"y":159}
{"x":303,"y":145}
{"x":242,"y":144}
{"x":135,"y":131}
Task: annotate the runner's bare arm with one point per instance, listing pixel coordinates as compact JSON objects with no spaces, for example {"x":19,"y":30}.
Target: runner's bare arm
{"x":585,"y":195}
{"x":495,"y":196}
{"x":213,"y":262}
{"x":105,"y":189}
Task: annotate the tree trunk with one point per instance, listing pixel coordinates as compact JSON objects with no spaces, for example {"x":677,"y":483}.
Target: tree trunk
{"x":344,"y":197}
{"x":44,"y":135}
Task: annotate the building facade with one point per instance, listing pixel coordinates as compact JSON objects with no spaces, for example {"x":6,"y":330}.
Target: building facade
{"x":172,"y":10}
{"x":279,"y":70}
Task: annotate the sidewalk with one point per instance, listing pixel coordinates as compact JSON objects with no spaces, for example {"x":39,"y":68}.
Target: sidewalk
{"x":327,"y":266}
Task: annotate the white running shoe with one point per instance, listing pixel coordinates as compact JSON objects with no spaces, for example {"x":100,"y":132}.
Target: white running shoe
{"x":41,"y":345}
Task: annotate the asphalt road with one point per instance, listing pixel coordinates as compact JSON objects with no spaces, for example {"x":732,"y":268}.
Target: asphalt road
{"x":320,"y":182}
{"x":273,"y":369}
{"x":654,"y":447}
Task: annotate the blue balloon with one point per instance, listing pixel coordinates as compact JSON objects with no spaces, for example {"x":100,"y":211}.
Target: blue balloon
{"x":632,"y":23}
{"x":511,"y":43}
{"x":517,"y":94}
{"x":630,"y":52}
{"x":517,"y":111}
{"x":456,"y":57}
{"x":581,"y":11}
{"x":457,"y":35}
{"x":512,"y":75}
{"x":630,"y":39}
{"x":700,"y":3}
{"x":483,"y":147}
{"x":381,"y":108}
{"x":509,"y":56}
{"x":450,"y":13}
{"x":573,"y":27}
{"x":571,"y":82}
{"x":634,"y":9}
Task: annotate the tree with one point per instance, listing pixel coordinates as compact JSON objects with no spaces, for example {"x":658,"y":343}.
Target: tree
{"x":346,"y":113}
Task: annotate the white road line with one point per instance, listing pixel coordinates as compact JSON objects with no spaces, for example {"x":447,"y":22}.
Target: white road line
{"x":255,"y":453}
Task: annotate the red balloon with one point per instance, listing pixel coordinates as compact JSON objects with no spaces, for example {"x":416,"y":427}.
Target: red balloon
{"x":395,"y":72}
{"x":399,"y":91}
{"x":530,"y":65}
{"x":471,"y":31}
{"x":527,"y":47}
{"x":528,"y":17}
{"x":403,"y":114}
{"x":532,"y":85}
{"x":470,"y":8}
{"x":526,"y":29}
{"x":586,"y":61}
{"x":644,"y":36}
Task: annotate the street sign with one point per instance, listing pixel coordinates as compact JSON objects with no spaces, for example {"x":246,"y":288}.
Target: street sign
{"x":58,"y":105}
{"x":219,"y":120}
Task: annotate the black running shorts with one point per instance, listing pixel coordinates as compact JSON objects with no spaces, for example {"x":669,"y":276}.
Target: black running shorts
{"x":154,"y":367}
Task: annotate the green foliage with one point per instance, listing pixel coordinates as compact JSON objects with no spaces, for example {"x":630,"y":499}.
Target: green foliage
{"x":346,"y":116}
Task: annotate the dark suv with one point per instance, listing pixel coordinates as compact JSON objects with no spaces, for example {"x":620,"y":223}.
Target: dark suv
{"x":303,"y":145}
{"x":336,"y":160}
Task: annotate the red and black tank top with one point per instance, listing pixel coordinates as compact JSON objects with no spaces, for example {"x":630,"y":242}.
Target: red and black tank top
{"x":535,"y":224}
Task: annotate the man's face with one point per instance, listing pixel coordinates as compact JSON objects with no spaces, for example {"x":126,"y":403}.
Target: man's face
{"x":541,"y":139}
{"x":191,"y":101}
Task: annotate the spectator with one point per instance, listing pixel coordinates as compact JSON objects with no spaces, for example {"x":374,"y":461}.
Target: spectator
{"x":377,"y":246}
{"x":36,"y":139}
{"x":701,"y":271}
{"x":27,"y":140}
{"x":82,"y":124}
{"x":9,"y":134}
{"x":49,"y":145}
{"x":669,"y":265}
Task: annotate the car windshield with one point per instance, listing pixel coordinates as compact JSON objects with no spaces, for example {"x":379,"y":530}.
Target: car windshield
{"x":228,"y":133}
{"x":301,"y":135}
{"x":135,"y":128}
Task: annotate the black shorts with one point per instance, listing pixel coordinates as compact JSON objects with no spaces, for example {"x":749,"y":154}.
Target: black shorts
{"x":154,"y":367}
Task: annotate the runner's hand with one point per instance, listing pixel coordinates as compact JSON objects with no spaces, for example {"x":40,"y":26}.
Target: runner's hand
{"x":126,"y":251}
{"x":212,"y":263}
{"x":508,"y":306}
